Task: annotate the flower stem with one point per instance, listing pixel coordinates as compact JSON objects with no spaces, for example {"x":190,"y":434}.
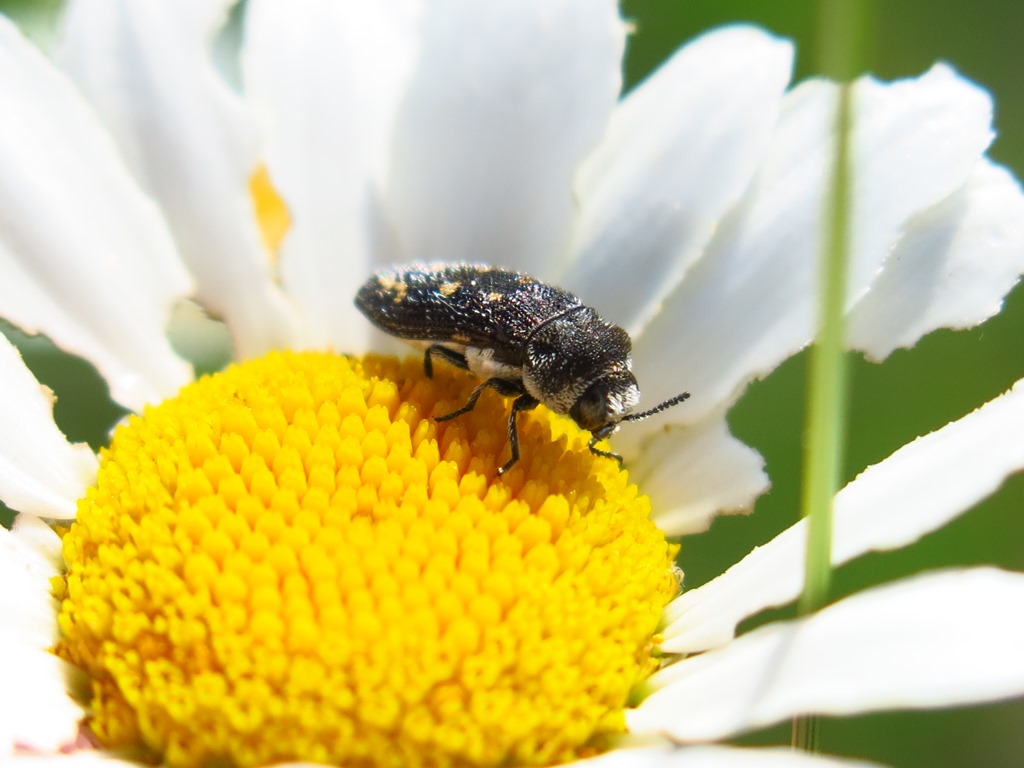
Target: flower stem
{"x":827,"y":386}
{"x":826,"y":422}
{"x":826,"y":408}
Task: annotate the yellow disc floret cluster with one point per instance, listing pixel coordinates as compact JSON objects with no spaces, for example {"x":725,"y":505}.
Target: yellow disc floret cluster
{"x":292,"y":560}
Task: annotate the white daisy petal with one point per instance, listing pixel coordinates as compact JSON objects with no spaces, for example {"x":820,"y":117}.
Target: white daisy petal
{"x":916,"y":142}
{"x":668,"y":756}
{"x":954,"y":265}
{"x":931,"y":481}
{"x":936,"y":640}
{"x":916,"y":490}
{"x":41,"y":715}
{"x":326,"y":78}
{"x":85,"y":257}
{"x":693,"y":473}
{"x":507,"y":98}
{"x":679,"y":152}
{"x":42,"y":545}
{"x":190,"y":144}
{"x":30,"y":556}
{"x":41,"y":473}
{"x":747,"y":305}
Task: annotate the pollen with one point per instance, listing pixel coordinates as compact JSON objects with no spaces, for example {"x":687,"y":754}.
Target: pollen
{"x":270,"y":209}
{"x":292,"y":561}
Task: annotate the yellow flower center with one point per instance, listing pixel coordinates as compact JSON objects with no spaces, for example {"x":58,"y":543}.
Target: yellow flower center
{"x":293,"y":561}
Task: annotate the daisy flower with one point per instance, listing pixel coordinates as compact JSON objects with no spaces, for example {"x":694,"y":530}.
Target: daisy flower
{"x":291,"y":560}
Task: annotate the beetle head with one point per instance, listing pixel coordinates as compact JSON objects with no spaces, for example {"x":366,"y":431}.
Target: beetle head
{"x":606,"y":401}
{"x":598,"y":401}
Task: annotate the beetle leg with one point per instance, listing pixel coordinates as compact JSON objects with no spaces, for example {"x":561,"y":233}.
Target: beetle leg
{"x":598,"y":452}
{"x":450,"y":356}
{"x":525,"y":402}
{"x":501,"y":386}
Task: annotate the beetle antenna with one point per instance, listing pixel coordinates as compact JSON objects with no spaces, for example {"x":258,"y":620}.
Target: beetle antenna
{"x":658,"y":408}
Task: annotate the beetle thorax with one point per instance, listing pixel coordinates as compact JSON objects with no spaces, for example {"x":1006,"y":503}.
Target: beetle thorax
{"x":575,"y":354}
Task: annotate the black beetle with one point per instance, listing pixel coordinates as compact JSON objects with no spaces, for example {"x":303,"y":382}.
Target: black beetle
{"x":524,"y":338}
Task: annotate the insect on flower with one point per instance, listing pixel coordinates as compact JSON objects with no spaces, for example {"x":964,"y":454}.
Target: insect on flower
{"x":524,"y":338}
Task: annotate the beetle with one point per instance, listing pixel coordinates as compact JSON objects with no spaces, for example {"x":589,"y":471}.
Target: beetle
{"x":524,"y":338}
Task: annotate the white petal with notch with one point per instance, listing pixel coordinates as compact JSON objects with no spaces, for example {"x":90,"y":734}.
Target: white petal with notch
{"x":190,"y":143}
{"x":679,"y":152}
{"x":935,"y":640}
{"x":747,"y":304}
{"x":85,"y":257}
{"x":918,"y":489}
{"x":41,"y":473}
{"x":325,"y":79}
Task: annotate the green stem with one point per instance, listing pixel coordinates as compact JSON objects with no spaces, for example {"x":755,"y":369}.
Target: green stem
{"x":826,"y":408}
{"x":826,"y":423}
{"x":842,"y":25}
{"x":806,"y":732}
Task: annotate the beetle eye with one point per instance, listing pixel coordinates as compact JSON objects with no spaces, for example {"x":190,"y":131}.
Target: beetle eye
{"x":590,"y":411}
{"x":606,"y":401}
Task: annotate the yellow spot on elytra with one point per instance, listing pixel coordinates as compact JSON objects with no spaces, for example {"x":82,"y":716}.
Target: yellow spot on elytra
{"x":292,"y":561}
{"x":447,"y":289}
{"x":397,"y":288}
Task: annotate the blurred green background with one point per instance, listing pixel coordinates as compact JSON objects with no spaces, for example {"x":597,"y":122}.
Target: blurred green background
{"x":913,"y":392}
